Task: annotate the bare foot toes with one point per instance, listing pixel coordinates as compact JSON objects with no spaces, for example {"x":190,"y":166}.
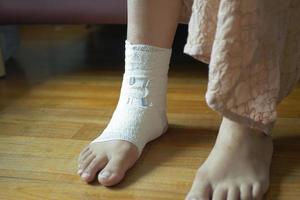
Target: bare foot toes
{"x":237,"y":167}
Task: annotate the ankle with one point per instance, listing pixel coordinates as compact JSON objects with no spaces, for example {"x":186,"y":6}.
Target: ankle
{"x":240,"y":129}
{"x":235,"y":134}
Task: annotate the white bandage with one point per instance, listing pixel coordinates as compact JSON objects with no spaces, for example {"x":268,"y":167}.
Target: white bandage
{"x":140,"y":115}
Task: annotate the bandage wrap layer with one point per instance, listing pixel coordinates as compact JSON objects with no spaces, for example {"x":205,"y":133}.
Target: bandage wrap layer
{"x":140,"y":115}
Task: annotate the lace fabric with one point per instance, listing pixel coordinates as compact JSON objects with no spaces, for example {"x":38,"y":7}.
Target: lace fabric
{"x":253,"y":51}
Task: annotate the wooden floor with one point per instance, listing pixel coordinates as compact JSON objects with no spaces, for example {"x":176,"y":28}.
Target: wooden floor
{"x":45,"y":124}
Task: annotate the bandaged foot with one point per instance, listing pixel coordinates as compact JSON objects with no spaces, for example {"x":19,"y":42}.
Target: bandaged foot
{"x":139,"y":117}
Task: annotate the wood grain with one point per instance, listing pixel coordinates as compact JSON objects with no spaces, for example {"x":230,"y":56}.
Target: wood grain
{"x":44,"y":124}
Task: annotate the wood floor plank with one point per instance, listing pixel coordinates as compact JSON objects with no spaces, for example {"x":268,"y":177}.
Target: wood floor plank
{"x":44,"y":126}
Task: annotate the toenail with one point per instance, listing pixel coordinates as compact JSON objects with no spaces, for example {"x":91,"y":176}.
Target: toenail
{"x":79,"y":171}
{"x":105,"y":175}
{"x":85,"y":175}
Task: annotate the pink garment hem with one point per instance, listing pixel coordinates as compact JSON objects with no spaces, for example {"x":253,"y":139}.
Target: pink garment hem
{"x":195,"y":51}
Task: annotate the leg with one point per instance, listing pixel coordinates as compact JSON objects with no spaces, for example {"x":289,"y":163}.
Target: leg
{"x":237,"y":167}
{"x":120,"y":144}
{"x":153,"y":22}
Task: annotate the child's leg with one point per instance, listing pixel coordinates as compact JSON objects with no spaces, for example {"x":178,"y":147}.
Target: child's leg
{"x":140,"y":115}
{"x":237,"y":167}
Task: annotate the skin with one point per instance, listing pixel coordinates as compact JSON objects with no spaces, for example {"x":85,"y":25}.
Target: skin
{"x":157,"y":29}
{"x":237,"y":167}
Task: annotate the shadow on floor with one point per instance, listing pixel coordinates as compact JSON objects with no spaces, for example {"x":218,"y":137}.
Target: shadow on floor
{"x":13,"y":87}
{"x":285,"y":164}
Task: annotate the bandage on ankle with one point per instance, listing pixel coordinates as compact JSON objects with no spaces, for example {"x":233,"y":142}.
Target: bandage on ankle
{"x":140,"y":115}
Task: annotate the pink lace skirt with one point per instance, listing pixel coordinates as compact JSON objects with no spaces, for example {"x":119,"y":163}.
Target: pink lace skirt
{"x":253,"y":51}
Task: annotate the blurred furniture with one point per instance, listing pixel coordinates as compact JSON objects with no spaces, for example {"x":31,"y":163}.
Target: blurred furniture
{"x":61,"y":12}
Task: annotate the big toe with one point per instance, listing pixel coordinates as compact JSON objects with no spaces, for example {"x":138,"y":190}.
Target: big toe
{"x":201,"y":189}
{"x":91,"y":166}
{"x":202,"y":192}
{"x":115,"y":169}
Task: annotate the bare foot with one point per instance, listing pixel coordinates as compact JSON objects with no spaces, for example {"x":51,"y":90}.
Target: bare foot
{"x":111,"y":158}
{"x":237,"y":167}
